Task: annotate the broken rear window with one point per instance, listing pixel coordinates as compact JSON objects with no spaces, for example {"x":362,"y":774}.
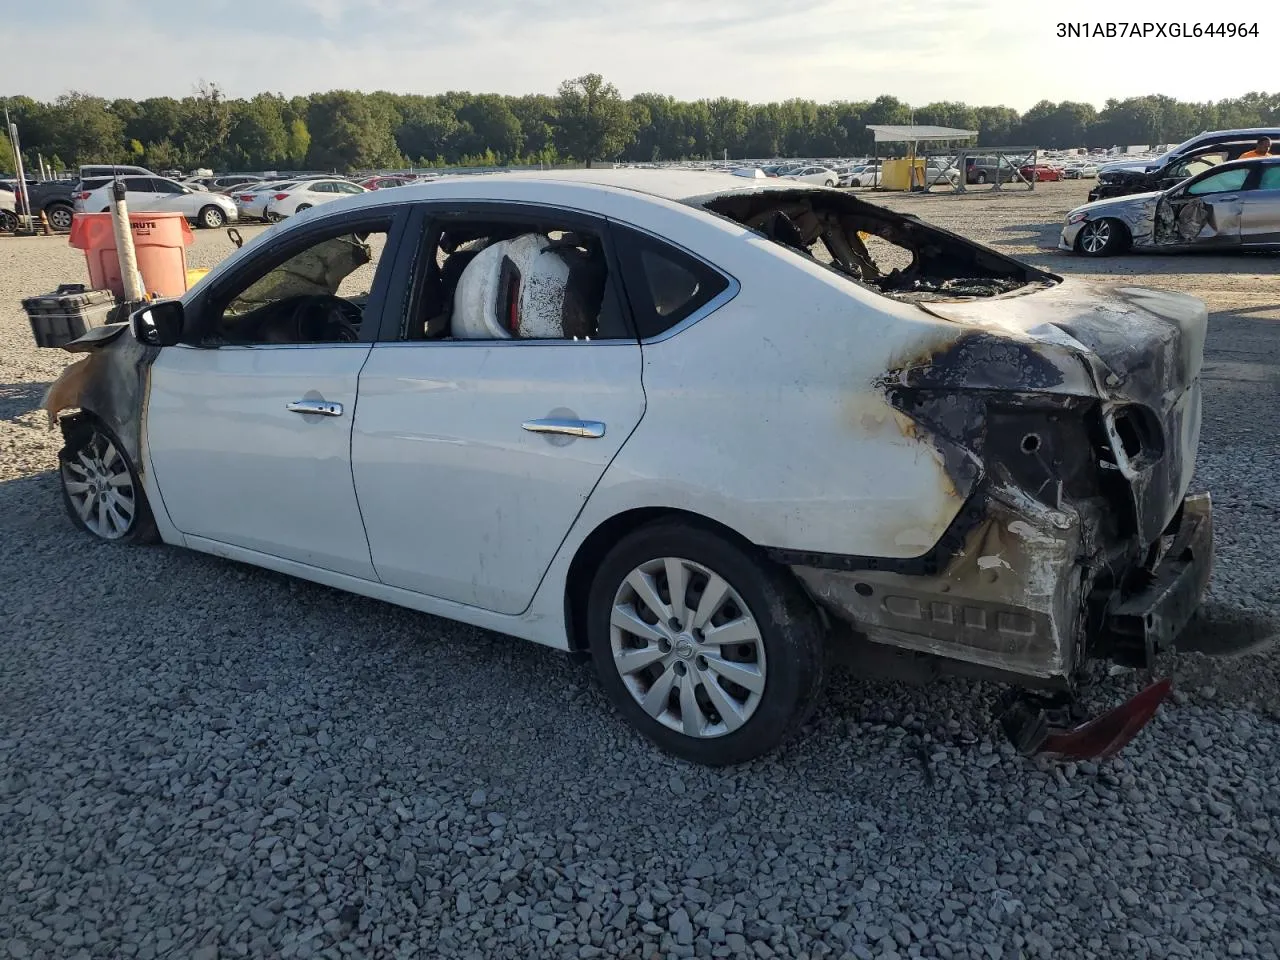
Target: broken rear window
{"x":892,"y":254}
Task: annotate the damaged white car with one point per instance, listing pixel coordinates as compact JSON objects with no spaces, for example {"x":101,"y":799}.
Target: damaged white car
{"x":698,"y":427}
{"x":1233,"y":206}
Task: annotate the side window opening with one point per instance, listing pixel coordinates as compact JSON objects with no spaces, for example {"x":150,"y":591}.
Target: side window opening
{"x":494,"y":279}
{"x":319,"y":294}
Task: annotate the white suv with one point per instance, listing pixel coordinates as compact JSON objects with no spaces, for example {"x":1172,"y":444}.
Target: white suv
{"x":158,"y":194}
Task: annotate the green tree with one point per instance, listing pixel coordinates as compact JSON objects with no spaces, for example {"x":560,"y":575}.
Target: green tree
{"x":494,"y":127}
{"x":298,"y":144}
{"x":259,"y":139}
{"x":205,"y":126}
{"x":6,"y":153}
{"x":81,"y":127}
{"x":349,"y":133}
{"x":592,"y":119}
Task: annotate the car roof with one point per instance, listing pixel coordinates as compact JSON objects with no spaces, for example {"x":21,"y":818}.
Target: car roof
{"x":681,"y":185}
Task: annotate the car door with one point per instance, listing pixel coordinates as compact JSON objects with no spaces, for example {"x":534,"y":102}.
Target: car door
{"x":1260,"y":212}
{"x":140,"y":194}
{"x":249,"y":419}
{"x":174,"y":197}
{"x":1206,"y":212}
{"x":473,"y":457}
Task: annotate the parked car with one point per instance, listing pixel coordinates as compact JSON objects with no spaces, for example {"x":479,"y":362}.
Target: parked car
{"x":1232,"y":206}
{"x":159,"y":195}
{"x":54,"y":198}
{"x":306,"y":194}
{"x":813,"y":173}
{"x":230,"y":182}
{"x":1080,"y":171}
{"x":1185,"y":160}
{"x":1040,"y":172}
{"x":252,"y":199}
{"x":8,"y":208}
{"x":990,"y":169}
{"x":381,"y":183}
{"x":865,"y":175}
{"x":999,"y":474}
{"x":92,"y":171}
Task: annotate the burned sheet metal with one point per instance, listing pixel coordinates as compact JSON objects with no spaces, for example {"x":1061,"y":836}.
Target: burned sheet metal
{"x":1010,"y":598}
{"x":109,"y":382}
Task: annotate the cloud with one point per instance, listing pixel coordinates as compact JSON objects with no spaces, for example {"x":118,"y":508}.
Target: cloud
{"x":979,"y":51}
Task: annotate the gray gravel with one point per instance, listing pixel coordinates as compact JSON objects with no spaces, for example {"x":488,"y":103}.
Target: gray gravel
{"x":204,"y":760}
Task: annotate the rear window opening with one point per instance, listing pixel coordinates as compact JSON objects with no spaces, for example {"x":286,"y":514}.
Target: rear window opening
{"x":892,"y":254}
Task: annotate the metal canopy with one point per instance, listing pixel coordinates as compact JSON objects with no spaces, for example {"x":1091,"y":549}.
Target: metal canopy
{"x":911,"y":134}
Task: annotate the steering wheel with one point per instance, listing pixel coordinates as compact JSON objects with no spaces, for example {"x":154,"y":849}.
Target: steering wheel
{"x":323,"y":318}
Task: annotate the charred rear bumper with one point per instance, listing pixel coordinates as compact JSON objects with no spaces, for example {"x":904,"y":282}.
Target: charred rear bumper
{"x":1017,"y":598}
{"x":1140,"y":625}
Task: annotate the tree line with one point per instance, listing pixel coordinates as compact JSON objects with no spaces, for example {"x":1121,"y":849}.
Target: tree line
{"x":586,"y":120}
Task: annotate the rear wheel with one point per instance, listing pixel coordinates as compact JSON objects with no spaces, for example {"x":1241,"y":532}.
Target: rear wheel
{"x":981,"y":177}
{"x":59,"y":215}
{"x":8,"y":221}
{"x":1101,"y":238}
{"x":706,"y":648}
{"x":100,"y":487}
{"x":212,"y":217}
{"x":301,"y":207}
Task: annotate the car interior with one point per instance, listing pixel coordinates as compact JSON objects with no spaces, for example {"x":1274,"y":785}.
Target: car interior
{"x":575,"y":298}
{"x":318,"y":295}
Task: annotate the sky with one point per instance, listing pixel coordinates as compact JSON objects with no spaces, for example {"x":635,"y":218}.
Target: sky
{"x":983,"y":52}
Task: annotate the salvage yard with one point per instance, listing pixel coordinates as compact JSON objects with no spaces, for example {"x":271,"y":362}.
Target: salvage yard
{"x":203,"y":759}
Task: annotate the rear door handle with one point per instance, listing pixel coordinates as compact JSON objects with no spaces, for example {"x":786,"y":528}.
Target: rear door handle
{"x":323,"y":408}
{"x":593,"y":429}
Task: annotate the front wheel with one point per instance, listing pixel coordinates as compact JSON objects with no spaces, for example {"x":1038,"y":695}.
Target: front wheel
{"x":1100,"y":238}
{"x":8,"y":221}
{"x":100,"y":487}
{"x":706,"y":648}
{"x":212,"y":217}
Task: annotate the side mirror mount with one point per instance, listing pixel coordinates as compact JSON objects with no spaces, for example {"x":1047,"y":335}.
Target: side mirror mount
{"x":158,"y":324}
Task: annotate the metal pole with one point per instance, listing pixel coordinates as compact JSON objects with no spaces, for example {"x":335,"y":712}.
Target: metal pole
{"x":133,"y":288}
{"x":21,"y":174}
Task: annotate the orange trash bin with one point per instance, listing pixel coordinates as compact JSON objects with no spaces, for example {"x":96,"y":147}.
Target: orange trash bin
{"x":159,"y":239}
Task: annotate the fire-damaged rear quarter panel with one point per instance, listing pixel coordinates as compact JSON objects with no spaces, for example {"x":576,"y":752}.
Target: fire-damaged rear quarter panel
{"x":1072,"y":417}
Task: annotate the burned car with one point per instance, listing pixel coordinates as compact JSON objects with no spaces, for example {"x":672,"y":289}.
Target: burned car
{"x":1123,"y":178}
{"x":1233,"y":206}
{"x":696,"y":427}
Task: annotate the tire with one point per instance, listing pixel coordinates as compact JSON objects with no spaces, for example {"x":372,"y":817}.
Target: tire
{"x":1101,"y":238}
{"x":98,"y":481}
{"x":302,"y":206}
{"x":829,"y":183}
{"x":8,"y":221}
{"x":981,"y":177}
{"x":780,"y":656}
{"x":212,"y":217}
{"x":59,"y":215}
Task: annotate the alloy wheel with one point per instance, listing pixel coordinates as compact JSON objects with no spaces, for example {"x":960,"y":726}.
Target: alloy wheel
{"x":1095,"y":236}
{"x":687,"y":647}
{"x":100,"y":488}
{"x":59,"y":218}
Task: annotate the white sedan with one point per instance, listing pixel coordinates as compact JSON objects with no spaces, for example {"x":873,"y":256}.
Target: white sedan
{"x":680,"y":421}
{"x":252,"y":199}
{"x":306,"y":194}
{"x":813,"y":173}
{"x":157,"y":194}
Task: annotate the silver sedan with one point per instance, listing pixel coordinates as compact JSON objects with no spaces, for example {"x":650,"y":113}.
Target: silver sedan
{"x":1231,"y":206}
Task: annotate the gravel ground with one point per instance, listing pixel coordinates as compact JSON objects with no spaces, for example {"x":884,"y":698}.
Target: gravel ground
{"x":205,"y":760}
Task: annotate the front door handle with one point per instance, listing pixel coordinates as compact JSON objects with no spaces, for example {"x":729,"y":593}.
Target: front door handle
{"x":323,"y":408}
{"x":593,"y":429}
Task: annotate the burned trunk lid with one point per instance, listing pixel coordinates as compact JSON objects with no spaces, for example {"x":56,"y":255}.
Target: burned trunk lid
{"x":1143,"y":349}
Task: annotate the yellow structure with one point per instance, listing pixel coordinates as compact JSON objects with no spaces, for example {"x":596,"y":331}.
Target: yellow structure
{"x":897,"y":174}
